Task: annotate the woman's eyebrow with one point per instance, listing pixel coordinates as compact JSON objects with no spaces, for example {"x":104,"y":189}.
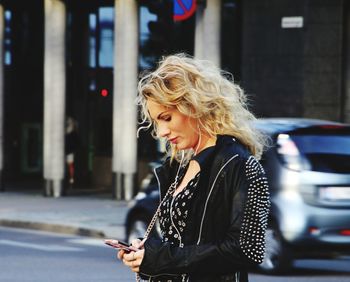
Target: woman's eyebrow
{"x":158,"y":116}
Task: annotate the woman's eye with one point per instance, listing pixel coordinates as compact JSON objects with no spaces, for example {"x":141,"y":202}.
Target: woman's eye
{"x":167,"y":118}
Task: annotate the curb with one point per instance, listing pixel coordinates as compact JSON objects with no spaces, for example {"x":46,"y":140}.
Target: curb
{"x":56,"y":228}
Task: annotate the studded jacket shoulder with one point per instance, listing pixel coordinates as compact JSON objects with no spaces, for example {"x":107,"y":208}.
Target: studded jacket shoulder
{"x":226,"y":227}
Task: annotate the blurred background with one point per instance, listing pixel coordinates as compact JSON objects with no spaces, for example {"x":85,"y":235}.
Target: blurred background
{"x":81,"y":60}
{"x":70,"y":161}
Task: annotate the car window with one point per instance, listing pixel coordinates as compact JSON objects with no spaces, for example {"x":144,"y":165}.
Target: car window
{"x":325,"y":153}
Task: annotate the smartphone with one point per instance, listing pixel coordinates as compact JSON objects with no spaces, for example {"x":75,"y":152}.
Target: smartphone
{"x":120,"y":245}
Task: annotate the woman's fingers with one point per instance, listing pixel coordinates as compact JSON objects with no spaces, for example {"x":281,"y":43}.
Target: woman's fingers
{"x":129,"y":256}
{"x":120,"y":254}
{"x":133,"y":260}
{"x":136,"y":243}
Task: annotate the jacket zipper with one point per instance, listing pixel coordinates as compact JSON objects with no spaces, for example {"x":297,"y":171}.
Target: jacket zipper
{"x":206,"y":202}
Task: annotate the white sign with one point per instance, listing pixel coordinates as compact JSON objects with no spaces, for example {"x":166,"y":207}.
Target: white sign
{"x":292,"y":22}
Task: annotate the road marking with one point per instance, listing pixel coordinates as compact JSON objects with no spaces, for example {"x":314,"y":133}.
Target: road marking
{"x":47,"y":248}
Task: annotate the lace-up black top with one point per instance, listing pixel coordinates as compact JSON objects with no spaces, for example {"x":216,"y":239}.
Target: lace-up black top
{"x":174,"y":211}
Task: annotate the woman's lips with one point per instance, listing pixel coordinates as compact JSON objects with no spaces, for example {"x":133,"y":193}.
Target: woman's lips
{"x":173,"y":140}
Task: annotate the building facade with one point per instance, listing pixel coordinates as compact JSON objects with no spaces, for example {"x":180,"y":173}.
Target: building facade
{"x":81,"y":59}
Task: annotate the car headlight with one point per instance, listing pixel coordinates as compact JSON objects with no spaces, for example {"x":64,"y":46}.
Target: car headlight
{"x":140,"y":195}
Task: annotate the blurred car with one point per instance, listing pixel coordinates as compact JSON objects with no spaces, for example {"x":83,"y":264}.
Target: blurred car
{"x":308,"y":169}
{"x":143,"y":207}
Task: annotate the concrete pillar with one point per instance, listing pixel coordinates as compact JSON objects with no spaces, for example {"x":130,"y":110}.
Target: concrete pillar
{"x":207,"y":33}
{"x":346,"y":104}
{"x":124,"y":94}
{"x":2,"y":28}
{"x":54,"y":97}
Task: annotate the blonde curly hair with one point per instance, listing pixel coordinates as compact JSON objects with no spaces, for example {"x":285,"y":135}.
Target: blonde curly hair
{"x":200,"y":90}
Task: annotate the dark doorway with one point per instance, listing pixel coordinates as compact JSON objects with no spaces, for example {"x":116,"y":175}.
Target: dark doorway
{"x":90,"y":32}
{"x":23,"y":114}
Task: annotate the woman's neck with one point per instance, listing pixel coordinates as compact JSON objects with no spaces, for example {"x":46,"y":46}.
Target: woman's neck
{"x":203,"y":143}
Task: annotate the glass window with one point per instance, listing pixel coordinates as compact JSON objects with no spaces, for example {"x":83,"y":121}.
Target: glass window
{"x":327,"y":150}
{"x":106,"y":25}
{"x":145,"y":18}
{"x":92,"y":40}
{"x":322,"y":144}
{"x":7,"y":38}
{"x":160,"y":35}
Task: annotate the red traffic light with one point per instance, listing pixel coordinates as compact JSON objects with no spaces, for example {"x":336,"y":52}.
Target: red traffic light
{"x":104,"y":92}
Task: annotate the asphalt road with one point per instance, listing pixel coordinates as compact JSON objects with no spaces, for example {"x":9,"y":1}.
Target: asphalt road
{"x":46,"y":257}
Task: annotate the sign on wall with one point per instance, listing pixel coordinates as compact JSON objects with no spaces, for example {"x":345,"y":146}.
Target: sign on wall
{"x":183,"y":9}
{"x":292,"y":22}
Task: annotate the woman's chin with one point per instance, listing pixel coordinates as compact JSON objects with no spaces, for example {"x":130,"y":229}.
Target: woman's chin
{"x":179,"y":147}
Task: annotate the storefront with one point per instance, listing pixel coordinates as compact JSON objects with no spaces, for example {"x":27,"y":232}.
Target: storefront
{"x":102,"y":46}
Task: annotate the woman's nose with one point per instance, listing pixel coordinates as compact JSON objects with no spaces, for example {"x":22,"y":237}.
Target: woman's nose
{"x":163,"y":131}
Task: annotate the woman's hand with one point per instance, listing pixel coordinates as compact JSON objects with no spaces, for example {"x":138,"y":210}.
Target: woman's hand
{"x":133,"y":259}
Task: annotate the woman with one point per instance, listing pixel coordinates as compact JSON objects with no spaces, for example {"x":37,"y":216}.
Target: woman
{"x":71,"y":146}
{"x":214,"y":194}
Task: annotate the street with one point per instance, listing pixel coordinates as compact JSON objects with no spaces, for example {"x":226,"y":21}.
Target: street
{"x":35,"y":256}
{"x":337,"y":270}
{"x":41,"y":257}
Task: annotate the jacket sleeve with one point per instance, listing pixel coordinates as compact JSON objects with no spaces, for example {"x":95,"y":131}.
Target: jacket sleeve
{"x":243,"y":243}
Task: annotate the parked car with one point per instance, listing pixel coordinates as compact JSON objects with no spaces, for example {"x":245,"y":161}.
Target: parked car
{"x":308,"y":169}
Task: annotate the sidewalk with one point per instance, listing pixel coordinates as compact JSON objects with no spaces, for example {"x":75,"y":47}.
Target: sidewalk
{"x":91,"y":215}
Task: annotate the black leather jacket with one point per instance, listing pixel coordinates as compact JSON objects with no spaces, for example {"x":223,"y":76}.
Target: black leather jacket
{"x":226,"y":224}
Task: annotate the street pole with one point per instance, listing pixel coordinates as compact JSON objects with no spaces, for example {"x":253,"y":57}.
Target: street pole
{"x":207,"y":32}
{"x":54,"y":97}
{"x":124,"y":94}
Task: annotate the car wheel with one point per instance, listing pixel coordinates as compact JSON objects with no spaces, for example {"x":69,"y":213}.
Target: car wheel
{"x":277,"y":259}
{"x":137,"y":228}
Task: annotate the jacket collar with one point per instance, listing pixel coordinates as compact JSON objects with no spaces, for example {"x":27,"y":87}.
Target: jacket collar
{"x":204,"y":156}
{"x":212,"y":157}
